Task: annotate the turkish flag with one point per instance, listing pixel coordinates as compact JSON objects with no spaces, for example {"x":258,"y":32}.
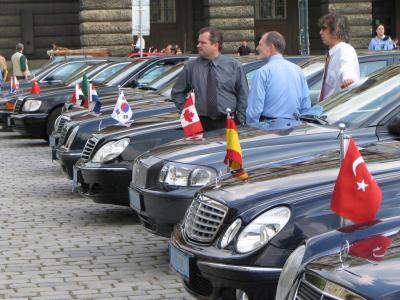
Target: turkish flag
{"x":356,"y":195}
{"x":189,"y":118}
{"x":372,"y":248}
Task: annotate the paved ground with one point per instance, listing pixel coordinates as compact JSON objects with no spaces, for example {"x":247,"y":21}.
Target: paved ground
{"x":57,"y":245}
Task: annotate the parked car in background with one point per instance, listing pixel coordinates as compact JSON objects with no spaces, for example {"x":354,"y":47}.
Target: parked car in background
{"x":166,"y":179}
{"x":236,"y":236}
{"x":359,"y":261}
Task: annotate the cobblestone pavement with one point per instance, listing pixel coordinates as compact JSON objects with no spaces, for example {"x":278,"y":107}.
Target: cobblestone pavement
{"x":56,"y":245}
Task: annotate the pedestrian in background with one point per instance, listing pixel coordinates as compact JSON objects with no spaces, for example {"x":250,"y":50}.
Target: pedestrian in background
{"x":244,"y":49}
{"x":279,"y":89}
{"x":381,"y":41}
{"x":341,"y":66}
{"x":19,"y":63}
{"x":218,"y":82}
{"x":140,"y":44}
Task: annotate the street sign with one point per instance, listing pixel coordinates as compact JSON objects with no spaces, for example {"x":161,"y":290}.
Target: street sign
{"x":140,"y":17}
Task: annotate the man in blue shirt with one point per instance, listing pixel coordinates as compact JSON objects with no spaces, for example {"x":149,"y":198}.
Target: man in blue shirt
{"x":381,"y":41}
{"x":279,"y":89}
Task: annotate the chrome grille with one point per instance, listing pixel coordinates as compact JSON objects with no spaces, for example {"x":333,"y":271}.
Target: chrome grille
{"x":61,"y":123}
{"x":139,"y":174}
{"x":87,"y":151}
{"x":203,"y":219}
{"x":18,"y":106}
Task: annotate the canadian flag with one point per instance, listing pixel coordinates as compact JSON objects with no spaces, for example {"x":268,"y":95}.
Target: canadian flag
{"x":372,"y":248}
{"x":189,"y":118}
{"x":356,"y":195}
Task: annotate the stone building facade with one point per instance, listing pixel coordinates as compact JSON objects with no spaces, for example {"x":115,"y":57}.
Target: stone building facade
{"x":107,"y":23}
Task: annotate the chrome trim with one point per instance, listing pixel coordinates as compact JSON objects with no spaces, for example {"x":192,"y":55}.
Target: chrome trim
{"x":239,"y":268}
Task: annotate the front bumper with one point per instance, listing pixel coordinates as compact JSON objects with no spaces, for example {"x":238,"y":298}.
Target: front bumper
{"x":30,"y":124}
{"x":214,"y":275}
{"x":4,"y":119}
{"x":105,"y":183}
{"x":159,"y":211}
{"x":67,"y":159}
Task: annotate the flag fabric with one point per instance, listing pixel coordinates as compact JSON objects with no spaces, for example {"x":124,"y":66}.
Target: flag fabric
{"x":95,"y":103}
{"x":356,"y":195}
{"x":1,"y":77}
{"x":77,"y":96}
{"x":14,"y":86}
{"x":189,"y":118}
{"x":35,"y":88}
{"x":86,"y":91}
{"x":122,"y":111}
{"x":233,"y":157}
{"x":372,"y":248}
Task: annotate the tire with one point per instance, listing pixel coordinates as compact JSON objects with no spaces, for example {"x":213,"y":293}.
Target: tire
{"x":51,"y":120}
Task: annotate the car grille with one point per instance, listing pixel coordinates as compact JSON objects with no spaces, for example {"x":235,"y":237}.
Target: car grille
{"x":313,"y":287}
{"x":61,"y":123}
{"x":18,"y":106}
{"x":203,"y":219}
{"x":87,"y":151}
{"x":139,"y":174}
{"x":63,"y":134}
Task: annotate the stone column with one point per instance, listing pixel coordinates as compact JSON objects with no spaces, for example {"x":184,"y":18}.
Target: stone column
{"x":235,"y":18}
{"x":106,"y":24}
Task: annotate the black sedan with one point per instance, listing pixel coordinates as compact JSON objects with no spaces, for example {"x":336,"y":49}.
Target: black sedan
{"x":166,"y":179}
{"x":356,"y":262}
{"x":236,"y":237}
{"x":35,"y":115}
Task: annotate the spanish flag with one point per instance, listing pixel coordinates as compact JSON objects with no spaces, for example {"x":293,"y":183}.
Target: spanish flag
{"x":233,"y":157}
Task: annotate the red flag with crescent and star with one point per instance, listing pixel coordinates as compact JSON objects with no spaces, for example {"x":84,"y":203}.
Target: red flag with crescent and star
{"x":372,"y":248}
{"x":356,"y":195}
{"x":189,"y":118}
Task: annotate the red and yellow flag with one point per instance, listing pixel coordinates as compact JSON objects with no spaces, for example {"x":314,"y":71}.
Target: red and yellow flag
{"x":233,"y":157}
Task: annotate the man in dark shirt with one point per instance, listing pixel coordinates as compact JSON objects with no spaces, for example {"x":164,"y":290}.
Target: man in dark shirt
{"x":244,"y":49}
{"x":218,"y":82}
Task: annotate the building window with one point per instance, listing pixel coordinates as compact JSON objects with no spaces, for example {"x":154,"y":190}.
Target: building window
{"x":270,"y":9}
{"x":162,"y":11}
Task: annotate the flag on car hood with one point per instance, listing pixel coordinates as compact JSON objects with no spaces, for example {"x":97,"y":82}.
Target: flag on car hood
{"x":77,"y":96}
{"x":189,"y":118}
{"x":122,"y":111}
{"x":95,"y":103}
{"x":14,"y":86}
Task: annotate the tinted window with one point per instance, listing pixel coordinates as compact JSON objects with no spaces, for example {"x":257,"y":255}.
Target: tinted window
{"x":128,"y":71}
{"x":154,"y":72}
{"x":103,"y":75}
{"x":368,"y":67}
{"x":64,"y":71}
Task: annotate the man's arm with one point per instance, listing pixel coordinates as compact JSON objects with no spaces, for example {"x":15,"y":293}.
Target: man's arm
{"x":242,"y":93}
{"x":305,"y":96}
{"x":181,"y":88}
{"x":255,"y":103}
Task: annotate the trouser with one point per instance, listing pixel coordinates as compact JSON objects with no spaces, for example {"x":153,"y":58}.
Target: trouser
{"x":210,"y":124}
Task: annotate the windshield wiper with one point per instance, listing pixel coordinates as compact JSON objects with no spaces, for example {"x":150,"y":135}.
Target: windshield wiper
{"x":314,"y":119}
{"x":147,"y":88}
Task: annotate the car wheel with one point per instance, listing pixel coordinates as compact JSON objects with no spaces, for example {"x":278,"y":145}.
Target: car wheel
{"x":51,"y":121}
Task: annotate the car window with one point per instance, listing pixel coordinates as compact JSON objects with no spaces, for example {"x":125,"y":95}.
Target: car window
{"x":103,"y":75}
{"x":249,"y":77}
{"x":368,"y":67}
{"x":166,"y":77}
{"x":357,"y":106}
{"x":121,"y":75}
{"x":154,"y":72}
{"x":64,"y":71}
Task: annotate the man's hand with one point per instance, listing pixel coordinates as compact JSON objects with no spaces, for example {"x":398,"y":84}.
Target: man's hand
{"x":346,"y":83}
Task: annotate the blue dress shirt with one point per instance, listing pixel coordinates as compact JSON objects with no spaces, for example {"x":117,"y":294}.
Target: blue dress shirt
{"x":279,"y":90}
{"x":381,"y":44}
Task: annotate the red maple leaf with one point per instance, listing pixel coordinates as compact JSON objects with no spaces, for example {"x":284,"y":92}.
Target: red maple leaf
{"x":188,"y":115}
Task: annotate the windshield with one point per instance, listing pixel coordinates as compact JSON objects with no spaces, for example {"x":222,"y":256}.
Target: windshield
{"x":166,"y":77}
{"x":77,"y":76}
{"x":313,"y":69}
{"x":356,"y":106}
{"x":166,"y":89}
{"x":125,"y":72}
{"x":64,"y":71}
{"x":108,"y":72}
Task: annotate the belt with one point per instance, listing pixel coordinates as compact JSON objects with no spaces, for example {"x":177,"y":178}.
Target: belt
{"x":264,"y":118}
{"x":217,"y":118}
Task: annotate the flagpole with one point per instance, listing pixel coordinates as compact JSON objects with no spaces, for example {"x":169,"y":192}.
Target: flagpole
{"x":228,"y":116}
{"x":341,"y":127}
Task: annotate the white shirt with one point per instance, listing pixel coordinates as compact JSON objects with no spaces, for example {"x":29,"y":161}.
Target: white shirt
{"x":138,"y":43}
{"x":343,"y":65}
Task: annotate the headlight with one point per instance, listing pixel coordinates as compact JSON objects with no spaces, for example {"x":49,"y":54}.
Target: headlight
{"x":110,"y":150}
{"x":261,"y":230}
{"x":31,"y":105}
{"x":289,"y":272}
{"x":186,"y":175}
{"x":230,"y":233}
{"x":71,"y":137}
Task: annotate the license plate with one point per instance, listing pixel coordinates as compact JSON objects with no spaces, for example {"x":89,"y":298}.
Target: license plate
{"x":52,"y":141}
{"x":179,"y":261}
{"x":74,"y":178}
{"x":134,"y":200}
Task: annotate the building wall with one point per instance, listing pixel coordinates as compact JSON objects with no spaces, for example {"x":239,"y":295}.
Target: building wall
{"x":38,"y":24}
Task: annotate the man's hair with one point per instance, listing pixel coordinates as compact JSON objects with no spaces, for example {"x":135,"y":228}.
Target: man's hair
{"x":276,"y":39}
{"x":19,"y":47}
{"x":216,"y":35}
{"x":337,"y":24}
